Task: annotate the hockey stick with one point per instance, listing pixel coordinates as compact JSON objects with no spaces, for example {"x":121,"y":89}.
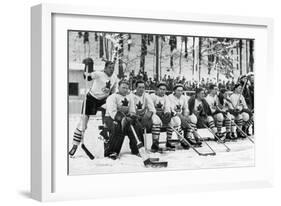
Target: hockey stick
{"x":237,"y":126}
{"x":194,"y":131}
{"x":240,"y":129}
{"x":219,"y":140}
{"x":182,"y":139}
{"x":148,"y":162}
{"x":88,"y":153}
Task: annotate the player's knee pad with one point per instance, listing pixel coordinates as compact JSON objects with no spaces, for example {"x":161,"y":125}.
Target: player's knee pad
{"x":245,"y":116}
{"x":210,"y":119}
{"x":175,"y":122}
{"x":219,"y":117}
{"x":156,"y":120}
{"x":230,"y":116}
{"x":193,"y":119}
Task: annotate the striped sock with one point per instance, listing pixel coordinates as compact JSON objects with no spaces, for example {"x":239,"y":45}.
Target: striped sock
{"x":191,"y":127}
{"x":77,"y":137}
{"x":239,"y":123}
{"x":233,"y":126}
{"x":179,"y":129}
{"x":169,"y":133}
{"x":211,"y":124}
{"x":249,"y":123}
{"x":219,"y":126}
{"x":155,"y":132}
{"x":227,"y":125}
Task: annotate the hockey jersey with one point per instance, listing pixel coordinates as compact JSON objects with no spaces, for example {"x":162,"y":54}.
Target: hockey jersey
{"x":103,"y":85}
{"x":213,"y":102}
{"x":179,"y":105}
{"x":117,"y":102}
{"x":143,"y":104}
{"x":161,"y":104}
{"x":238,"y":101}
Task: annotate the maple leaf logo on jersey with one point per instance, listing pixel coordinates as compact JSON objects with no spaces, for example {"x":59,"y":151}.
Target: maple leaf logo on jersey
{"x":139,"y":105}
{"x":159,"y":105}
{"x":199,"y":108}
{"x":125,"y":102}
{"x":107,"y":84}
{"x":178,"y":108}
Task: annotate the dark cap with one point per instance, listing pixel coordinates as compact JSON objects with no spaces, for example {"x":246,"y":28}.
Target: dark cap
{"x":177,"y":85}
{"x":198,"y":90}
{"x":107,"y":63}
{"x":236,"y":85}
{"x":123,"y":81}
{"x":162,"y":84}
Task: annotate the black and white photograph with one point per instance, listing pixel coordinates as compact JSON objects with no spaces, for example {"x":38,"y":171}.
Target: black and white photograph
{"x":142,"y":102}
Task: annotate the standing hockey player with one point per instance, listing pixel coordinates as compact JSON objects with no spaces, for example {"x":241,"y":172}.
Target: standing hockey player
{"x":200,"y":108}
{"x":179,"y":107}
{"x":163,"y":111}
{"x":213,"y":101}
{"x":104,"y":84}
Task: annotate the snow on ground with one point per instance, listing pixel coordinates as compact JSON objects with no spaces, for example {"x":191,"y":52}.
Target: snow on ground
{"x":241,"y":154}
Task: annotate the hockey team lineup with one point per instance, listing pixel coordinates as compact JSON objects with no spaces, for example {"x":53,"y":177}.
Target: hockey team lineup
{"x":121,"y":129}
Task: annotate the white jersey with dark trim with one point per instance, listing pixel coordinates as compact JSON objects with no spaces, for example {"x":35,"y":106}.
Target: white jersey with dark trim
{"x":238,"y":101}
{"x":117,"y":102}
{"x":143,"y":104}
{"x":161,"y":104}
{"x":213,"y":102}
{"x":179,"y":105}
{"x":103,"y":85}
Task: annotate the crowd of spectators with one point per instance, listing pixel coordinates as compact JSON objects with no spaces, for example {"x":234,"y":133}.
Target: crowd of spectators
{"x":189,"y":85}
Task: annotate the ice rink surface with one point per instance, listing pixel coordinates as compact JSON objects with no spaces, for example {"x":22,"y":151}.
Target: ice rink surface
{"x":241,"y":155}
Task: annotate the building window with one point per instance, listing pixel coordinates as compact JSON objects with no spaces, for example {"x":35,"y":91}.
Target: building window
{"x":73,"y":88}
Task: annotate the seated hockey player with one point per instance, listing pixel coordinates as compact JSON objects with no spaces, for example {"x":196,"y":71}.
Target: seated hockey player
{"x":243,"y":116}
{"x":146,"y":111}
{"x":225,"y":106}
{"x":182,"y":116}
{"x":163,"y":111}
{"x":120,"y":113}
{"x":200,"y":108}
{"x":104,"y":83}
{"x":212,"y":100}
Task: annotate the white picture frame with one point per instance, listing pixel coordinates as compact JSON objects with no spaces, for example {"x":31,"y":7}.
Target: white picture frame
{"x":49,"y":180}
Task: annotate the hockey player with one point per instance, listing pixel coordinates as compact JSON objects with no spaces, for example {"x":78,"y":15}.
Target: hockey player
{"x":163,"y":111}
{"x":146,"y":111}
{"x":241,"y":112}
{"x":213,"y":101}
{"x":225,"y":106}
{"x":120,"y":112}
{"x":179,"y":108}
{"x":104,"y":84}
{"x":201,"y":109}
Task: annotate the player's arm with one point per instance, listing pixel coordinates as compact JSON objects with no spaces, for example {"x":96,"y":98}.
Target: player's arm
{"x":185,"y":107}
{"x":111,"y":106}
{"x":150,"y":104}
{"x":167,"y":105}
{"x":132,"y":108}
